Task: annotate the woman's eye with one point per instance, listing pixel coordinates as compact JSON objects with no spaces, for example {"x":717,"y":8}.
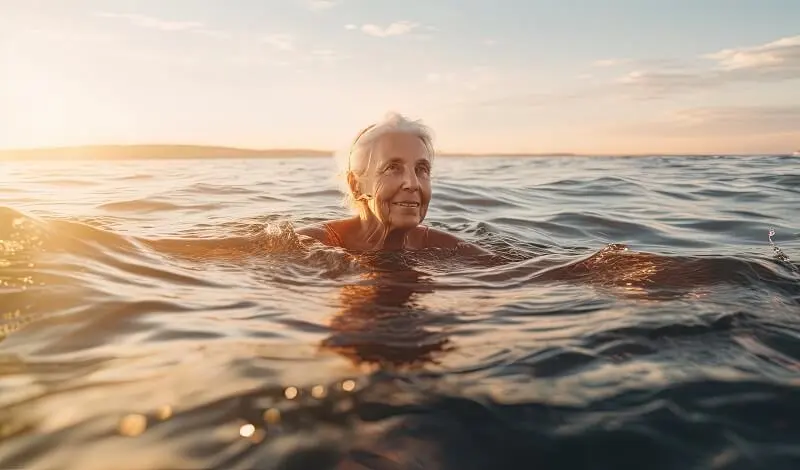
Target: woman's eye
{"x":424,"y":170}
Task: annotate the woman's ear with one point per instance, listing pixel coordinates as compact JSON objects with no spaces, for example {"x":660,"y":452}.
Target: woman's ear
{"x":352,"y":183}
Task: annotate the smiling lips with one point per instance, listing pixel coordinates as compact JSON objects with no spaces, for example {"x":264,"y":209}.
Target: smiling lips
{"x":412,"y":204}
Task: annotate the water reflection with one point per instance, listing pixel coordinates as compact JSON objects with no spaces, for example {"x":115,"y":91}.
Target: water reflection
{"x":380,"y":322}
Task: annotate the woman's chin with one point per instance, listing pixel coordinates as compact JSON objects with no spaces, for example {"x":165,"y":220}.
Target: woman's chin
{"x":406,"y":221}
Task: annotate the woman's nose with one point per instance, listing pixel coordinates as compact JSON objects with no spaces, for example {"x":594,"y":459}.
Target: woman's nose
{"x":410,"y":180}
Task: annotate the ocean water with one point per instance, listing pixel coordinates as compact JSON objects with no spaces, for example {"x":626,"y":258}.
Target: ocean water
{"x":161,"y":315}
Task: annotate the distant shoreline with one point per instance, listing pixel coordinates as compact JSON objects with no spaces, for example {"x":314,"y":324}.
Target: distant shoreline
{"x":167,"y":152}
{"x":153,"y":152}
{"x":201,"y":152}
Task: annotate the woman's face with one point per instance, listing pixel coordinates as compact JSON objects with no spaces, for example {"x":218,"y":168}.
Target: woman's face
{"x":398,"y":179}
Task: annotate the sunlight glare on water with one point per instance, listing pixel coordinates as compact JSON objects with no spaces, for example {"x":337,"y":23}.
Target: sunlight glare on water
{"x":640,"y":313}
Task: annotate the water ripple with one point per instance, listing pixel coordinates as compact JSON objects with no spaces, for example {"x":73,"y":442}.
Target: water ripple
{"x":639,"y":313}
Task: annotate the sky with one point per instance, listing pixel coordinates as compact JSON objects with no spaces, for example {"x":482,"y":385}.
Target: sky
{"x":506,"y":76}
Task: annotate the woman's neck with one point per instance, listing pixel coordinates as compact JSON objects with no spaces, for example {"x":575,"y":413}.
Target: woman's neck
{"x":378,"y":236}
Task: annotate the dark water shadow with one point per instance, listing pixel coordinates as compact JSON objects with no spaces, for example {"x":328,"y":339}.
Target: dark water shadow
{"x":381,"y":322}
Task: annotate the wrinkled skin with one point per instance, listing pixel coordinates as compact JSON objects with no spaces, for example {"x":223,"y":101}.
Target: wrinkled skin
{"x":392,"y":191}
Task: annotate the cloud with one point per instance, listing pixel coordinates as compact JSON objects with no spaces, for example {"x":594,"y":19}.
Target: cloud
{"x":609,"y":62}
{"x":738,"y":119}
{"x":781,"y":55}
{"x":325,"y":56}
{"x":281,"y":42}
{"x":538,"y":99}
{"x":717,"y":130}
{"x":720,"y":121}
{"x":398,"y":28}
{"x":150,"y":22}
{"x":322,"y":5}
{"x":662,"y":78}
{"x":772,"y":62}
{"x":657,"y":84}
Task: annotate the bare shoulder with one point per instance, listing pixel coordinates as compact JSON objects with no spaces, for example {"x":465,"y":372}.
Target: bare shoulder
{"x":315,"y":232}
{"x":441,"y":239}
{"x":319,"y":231}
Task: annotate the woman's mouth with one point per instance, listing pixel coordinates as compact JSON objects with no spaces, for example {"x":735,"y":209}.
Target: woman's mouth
{"x":406,"y":204}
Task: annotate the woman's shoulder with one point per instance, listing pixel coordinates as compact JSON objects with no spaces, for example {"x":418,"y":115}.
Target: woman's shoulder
{"x":321,"y":231}
{"x":315,"y":231}
{"x":436,"y":238}
{"x":440,"y":239}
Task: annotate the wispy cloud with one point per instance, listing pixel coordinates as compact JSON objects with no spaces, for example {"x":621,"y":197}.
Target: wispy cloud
{"x":398,"y":28}
{"x":772,"y":62}
{"x":324,"y":56}
{"x":657,"y":84}
{"x":322,"y":5}
{"x":655,"y":79}
{"x":150,"y":22}
{"x":281,"y":42}
{"x":782,"y":55}
{"x":704,"y":122}
{"x":537,"y":99}
{"x":753,"y":117}
{"x":609,"y":62}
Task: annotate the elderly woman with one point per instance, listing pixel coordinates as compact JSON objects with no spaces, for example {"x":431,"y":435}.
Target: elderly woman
{"x":388,"y":184}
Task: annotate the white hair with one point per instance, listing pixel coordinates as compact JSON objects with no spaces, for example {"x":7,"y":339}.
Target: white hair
{"x":356,"y":158}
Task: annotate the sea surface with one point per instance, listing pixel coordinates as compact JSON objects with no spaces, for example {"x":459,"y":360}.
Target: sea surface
{"x":161,"y":314}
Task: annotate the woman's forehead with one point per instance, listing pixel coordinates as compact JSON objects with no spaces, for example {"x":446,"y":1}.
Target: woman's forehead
{"x":402,"y":146}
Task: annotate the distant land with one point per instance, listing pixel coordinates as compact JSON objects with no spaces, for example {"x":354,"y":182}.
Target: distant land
{"x":167,"y":152}
{"x":155,"y":152}
{"x":187,"y":152}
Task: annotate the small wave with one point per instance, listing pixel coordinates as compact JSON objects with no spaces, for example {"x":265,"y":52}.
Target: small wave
{"x":684,"y":196}
{"x":389,"y":421}
{"x":323,"y":193}
{"x":149,"y":205}
{"x":462,"y":198}
{"x":600,"y":187}
{"x":611,"y":228}
{"x":741,"y":196}
{"x":67,"y":182}
{"x":790,"y":181}
{"x":617,"y":266}
{"x":136,"y":177}
{"x":212,"y":189}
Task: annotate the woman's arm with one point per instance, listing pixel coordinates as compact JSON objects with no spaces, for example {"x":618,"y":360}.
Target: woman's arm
{"x":315,"y":232}
{"x":440,"y":239}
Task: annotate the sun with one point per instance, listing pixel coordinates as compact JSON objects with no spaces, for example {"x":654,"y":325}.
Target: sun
{"x":42,"y":100}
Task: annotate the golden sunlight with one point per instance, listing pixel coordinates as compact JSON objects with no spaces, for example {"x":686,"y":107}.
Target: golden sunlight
{"x":47,"y":101}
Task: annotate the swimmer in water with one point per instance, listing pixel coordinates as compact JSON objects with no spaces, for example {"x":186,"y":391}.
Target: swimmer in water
{"x":388,"y":186}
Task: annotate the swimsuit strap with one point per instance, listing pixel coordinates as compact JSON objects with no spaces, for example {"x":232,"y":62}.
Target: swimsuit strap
{"x":333,"y":236}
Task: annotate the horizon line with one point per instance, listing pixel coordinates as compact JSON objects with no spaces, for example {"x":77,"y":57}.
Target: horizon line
{"x":6,"y":152}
